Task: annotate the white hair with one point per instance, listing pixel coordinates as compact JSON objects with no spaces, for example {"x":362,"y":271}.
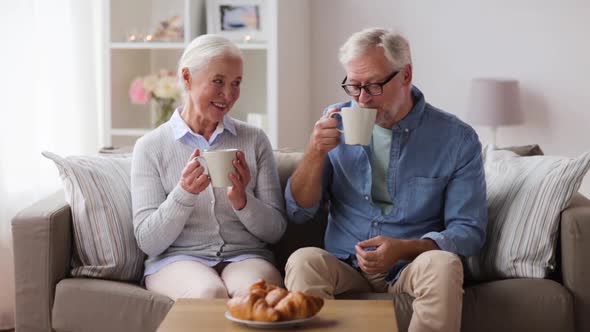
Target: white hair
{"x":203,"y":49}
{"x":395,"y":46}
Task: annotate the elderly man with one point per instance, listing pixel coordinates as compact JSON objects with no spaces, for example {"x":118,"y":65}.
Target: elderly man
{"x":403,"y":209}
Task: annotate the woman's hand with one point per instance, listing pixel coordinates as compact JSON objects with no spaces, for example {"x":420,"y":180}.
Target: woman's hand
{"x":237,"y":193}
{"x":193,"y":178}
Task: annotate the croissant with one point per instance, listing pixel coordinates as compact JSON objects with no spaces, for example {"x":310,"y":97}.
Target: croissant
{"x":241,"y":307}
{"x":297,"y":305}
{"x":274,"y":296}
{"x":252,"y":307}
{"x":269,"y":303}
{"x":263,"y":312}
{"x":261,"y":288}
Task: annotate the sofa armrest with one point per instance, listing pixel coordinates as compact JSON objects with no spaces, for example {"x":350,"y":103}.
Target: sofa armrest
{"x":575,"y":255}
{"x":42,"y":238}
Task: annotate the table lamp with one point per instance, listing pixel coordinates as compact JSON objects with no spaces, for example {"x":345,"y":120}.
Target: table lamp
{"x":494,"y":103}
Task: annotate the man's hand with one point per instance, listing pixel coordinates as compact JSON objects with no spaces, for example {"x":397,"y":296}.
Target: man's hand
{"x":237,"y":193}
{"x":306,"y":181}
{"x":379,"y":254}
{"x":325,"y":135}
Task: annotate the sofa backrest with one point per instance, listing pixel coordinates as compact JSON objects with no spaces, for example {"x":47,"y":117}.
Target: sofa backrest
{"x":310,"y":234}
{"x":287,"y":160}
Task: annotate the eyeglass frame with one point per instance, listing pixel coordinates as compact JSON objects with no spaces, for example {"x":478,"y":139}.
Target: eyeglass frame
{"x":366,"y":86}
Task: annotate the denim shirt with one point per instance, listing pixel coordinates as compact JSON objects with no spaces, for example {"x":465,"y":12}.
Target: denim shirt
{"x":435,"y":179}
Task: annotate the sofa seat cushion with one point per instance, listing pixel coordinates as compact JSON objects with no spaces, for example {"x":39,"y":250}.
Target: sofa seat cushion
{"x":518,"y":305}
{"x":523,"y":305}
{"x":101,"y":305}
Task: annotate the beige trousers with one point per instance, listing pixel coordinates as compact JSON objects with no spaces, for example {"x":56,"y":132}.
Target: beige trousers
{"x":434,"y":279}
{"x":189,"y":279}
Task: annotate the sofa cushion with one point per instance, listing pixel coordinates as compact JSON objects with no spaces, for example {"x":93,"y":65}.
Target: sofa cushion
{"x":97,"y":189}
{"x":83,"y":304}
{"x":525,"y":150}
{"x":525,"y":198}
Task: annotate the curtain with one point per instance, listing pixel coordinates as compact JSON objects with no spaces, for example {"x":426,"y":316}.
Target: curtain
{"x":52,"y":69}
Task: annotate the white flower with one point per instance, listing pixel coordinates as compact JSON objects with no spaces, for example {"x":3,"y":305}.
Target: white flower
{"x":161,"y":87}
{"x":166,"y":87}
{"x":150,"y":82}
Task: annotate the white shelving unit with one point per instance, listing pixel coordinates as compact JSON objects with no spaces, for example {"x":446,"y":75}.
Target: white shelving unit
{"x":146,"y":46}
{"x":262,"y":88}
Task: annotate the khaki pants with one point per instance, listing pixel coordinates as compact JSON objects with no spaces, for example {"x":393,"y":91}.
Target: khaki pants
{"x":190,"y":279}
{"x":434,"y":279}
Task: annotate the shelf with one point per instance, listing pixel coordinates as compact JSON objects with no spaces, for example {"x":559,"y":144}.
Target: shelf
{"x":252,"y":46}
{"x":147,"y":46}
{"x":129,"y":131}
{"x":175,"y":46}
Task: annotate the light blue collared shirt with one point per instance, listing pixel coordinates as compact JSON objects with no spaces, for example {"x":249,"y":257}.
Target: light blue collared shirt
{"x":435,"y":180}
{"x":183,"y":133}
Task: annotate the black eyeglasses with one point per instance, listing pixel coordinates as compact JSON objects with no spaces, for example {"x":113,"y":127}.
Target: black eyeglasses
{"x":374,"y":89}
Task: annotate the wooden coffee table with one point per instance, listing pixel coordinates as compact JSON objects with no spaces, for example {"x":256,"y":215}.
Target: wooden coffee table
{"x":336,"y":315}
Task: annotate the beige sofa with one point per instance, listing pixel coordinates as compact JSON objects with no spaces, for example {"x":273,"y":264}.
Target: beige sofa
{"x":48,"y":299}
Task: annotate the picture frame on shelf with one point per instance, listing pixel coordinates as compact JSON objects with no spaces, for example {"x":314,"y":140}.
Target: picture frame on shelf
{"x":242,"y":21}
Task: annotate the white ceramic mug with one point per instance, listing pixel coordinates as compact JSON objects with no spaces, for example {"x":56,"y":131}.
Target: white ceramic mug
{"x":357,"y":124}
{"x":218,"y":164}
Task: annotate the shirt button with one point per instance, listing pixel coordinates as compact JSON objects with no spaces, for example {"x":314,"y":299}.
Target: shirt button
{"x":407,"y":130}
{"x":218,"y":254}
{"x":212,"y":202}
{"x":366,"y":198}
{"x":374,"y":223}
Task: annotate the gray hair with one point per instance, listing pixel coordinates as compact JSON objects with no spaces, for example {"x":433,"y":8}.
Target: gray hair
{"x":395,"y":46}
{"x":203,"y":49}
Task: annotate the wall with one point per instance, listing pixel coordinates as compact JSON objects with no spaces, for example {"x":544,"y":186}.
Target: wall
{"x":544,"y":44}
{"x":293,"y":72}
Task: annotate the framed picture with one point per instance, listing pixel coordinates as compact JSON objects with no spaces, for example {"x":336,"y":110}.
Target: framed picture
{"x":238,"y":20}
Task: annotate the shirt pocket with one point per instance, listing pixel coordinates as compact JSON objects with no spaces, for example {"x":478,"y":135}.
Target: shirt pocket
{"x":427,"y":198}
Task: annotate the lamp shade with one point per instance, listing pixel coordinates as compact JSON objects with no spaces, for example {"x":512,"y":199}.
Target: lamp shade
{"x":494,"y":102}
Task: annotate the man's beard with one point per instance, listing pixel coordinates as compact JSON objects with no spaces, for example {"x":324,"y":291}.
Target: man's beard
{"x":385,"y":118}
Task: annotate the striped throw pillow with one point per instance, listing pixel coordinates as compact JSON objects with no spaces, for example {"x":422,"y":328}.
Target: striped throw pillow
{"x":525,"y":198}
{"x":97,"y":189}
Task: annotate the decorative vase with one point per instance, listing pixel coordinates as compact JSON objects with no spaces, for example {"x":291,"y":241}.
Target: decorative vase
{"x":162,"y":110}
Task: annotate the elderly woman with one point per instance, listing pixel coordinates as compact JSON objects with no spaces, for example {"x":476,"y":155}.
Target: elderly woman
{"x":201,"y":241}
